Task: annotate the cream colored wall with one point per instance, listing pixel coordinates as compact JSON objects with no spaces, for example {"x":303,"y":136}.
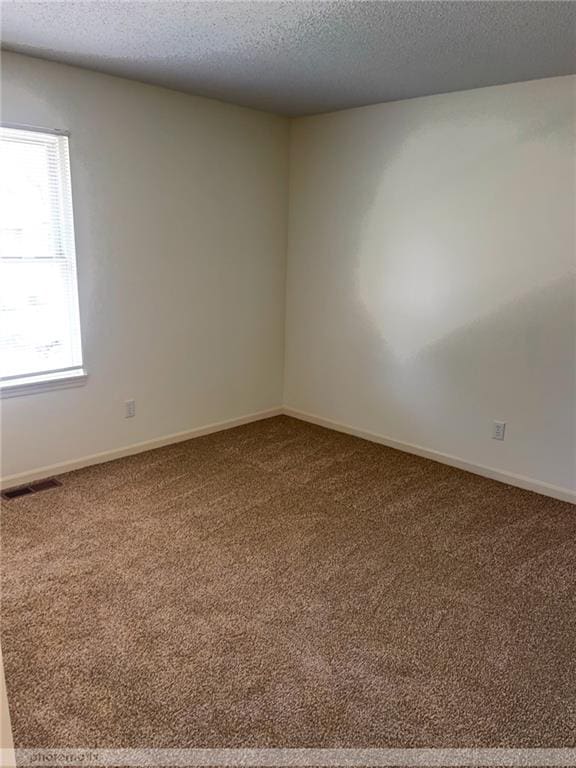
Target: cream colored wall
{"x":180,"y":210}
{"x":430,"y":274}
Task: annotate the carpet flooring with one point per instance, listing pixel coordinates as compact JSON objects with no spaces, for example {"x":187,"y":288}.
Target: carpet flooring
{"x":280,"y":584}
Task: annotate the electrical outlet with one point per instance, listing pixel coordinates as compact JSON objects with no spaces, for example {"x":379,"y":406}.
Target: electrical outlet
{"x":498,"y":430}
{"x":130,"y":409}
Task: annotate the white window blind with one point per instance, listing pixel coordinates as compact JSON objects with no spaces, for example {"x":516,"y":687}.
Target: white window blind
{"x":39,"y":317}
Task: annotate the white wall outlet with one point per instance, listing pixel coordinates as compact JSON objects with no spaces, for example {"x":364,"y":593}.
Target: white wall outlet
{"x":129,"y":409}
{"x":498,"y":430}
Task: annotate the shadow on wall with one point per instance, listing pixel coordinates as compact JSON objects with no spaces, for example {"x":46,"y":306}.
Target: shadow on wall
{"x":517,"y":364}
{"x":458,"y":242}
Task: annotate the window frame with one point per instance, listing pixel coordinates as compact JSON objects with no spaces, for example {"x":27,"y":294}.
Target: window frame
{"x":63,"y":378}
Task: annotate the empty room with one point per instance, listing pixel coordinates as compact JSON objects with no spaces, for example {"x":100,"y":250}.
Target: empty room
{"x":288,"y":383}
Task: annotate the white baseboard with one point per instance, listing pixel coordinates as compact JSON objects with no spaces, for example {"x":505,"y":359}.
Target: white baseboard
{"x":527,"y":483}
{"x":99,"y":458}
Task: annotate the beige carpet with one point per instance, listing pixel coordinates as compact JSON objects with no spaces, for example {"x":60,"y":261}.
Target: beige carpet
{"x":280,"y":584}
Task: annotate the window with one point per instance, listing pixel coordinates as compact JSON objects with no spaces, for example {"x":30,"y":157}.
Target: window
{"x":40,"y":343}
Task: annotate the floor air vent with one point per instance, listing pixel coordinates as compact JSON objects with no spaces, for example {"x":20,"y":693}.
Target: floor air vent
{"x":24,"y":490}
{"x":44,"y":485}
{"x":14,"y":493}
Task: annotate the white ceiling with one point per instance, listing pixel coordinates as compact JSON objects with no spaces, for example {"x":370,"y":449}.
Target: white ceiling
{"x":302,"y":57}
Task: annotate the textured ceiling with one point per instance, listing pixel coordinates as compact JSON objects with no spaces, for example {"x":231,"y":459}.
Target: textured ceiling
{"x":298,"y":58}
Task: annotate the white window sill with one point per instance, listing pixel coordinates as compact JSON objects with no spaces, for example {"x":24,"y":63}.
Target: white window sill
{"x":35,"y":384}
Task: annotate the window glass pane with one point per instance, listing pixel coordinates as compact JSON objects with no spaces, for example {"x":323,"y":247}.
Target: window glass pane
{"x":35,"y":317}
{"x":39,"y":318}
{"x":27,"y":201}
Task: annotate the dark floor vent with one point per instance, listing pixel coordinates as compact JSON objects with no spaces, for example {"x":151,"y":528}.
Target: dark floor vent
{"x":14,"y":493}
{"x":24,"y":490}
{"x":44,"y":485}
